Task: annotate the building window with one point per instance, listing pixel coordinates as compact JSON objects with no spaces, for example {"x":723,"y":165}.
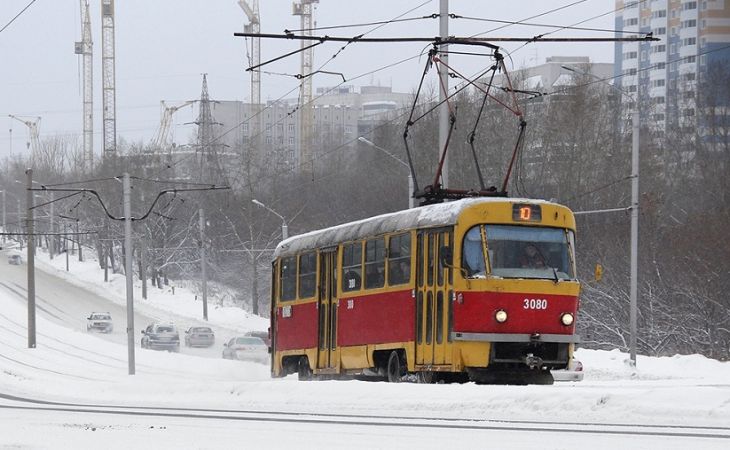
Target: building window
{"x":659,"y":31}
{"x":689,"y":112}
{"x":657,"y":83}
{"x":659,"y":48}
{"x":268,"y":139}
{"x":291,"y":128}
{"x":689,"y":41}
{"x":689,"y":23}
{"x":245,"y":128}
{"x":658,"y":117}
{"x":631,"y":22}
{"x":660,"y":66}
{"x":630,"y":55}
{"x":689,"y":5}
{"x":291,"y":140}
{"x":658,"y":100}
{"x":659,"y":14}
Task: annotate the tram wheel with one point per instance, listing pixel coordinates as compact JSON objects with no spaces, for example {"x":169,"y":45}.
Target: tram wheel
{"x":394,"y":370}
{"x":303,"y":370}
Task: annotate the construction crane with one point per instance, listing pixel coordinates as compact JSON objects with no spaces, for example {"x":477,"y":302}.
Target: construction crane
{"x":305,"y":10}
{"x":84,"y":48}
{"x":108,"y":78}
{"x":159,"y":142}
{"x":254,"y":26}
{"x":34,"y":143}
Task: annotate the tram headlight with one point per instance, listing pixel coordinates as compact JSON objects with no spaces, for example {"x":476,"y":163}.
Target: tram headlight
{"x":500,"y":316}
{"x":567,"y":319}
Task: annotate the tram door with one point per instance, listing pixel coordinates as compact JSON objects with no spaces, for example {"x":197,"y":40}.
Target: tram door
{"x":327,"y":309}
{"x":433,"y":308}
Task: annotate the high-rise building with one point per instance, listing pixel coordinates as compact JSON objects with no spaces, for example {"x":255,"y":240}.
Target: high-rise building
{"x":694,"y":36}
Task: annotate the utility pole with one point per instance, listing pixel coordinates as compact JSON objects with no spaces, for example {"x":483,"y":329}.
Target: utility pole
{"x":204,"y":274}
{"x":65,"y":243}
{"x":31,"y":260}
{"x":52,"y":247}
{"x":633,"y":292}
{"x":444,"y":90}
{"x":5,"y":229}
{"x":128,"y":272}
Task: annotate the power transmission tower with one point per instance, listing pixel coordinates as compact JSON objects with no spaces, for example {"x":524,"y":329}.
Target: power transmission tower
{"x":208,"y":164}
{"x":85,"y":48}
{"x":305,"y":10}
{"x":108,"y":77}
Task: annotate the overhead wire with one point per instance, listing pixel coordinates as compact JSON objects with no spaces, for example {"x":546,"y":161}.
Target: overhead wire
{"x":17,"y":15}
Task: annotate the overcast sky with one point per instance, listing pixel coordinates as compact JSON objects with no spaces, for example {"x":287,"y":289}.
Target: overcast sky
{"x":164,"y":46}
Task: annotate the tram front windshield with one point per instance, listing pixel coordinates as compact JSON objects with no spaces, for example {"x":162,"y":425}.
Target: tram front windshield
{"x":519,"y":252}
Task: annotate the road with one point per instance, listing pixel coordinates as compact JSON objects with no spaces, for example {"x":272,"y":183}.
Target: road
{"x":66,"y":304}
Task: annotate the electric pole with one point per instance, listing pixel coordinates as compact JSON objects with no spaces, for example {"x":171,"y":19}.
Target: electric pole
{"x":31,"y":260}
{"x":203,"y":273}
{"x":128,"y":272}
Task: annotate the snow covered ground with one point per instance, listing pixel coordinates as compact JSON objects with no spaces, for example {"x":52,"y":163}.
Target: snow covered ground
{"x":674,"y":402}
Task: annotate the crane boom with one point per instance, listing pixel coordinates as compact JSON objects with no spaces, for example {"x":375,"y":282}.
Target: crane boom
{"x":160,"y":139}
{"x":34,"y":141}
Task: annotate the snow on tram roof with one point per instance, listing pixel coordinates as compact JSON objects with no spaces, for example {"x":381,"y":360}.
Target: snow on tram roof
{"x":421,"y":217}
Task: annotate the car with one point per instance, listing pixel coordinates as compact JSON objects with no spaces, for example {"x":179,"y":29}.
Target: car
{"x":199,"y":337}
{"x":15,"y":260}
{"x":574,"y":372}
{"x":161,"y":336}
{"x":263,"y":335}
{"x":100,"y":321}
{"x":246,"y":348}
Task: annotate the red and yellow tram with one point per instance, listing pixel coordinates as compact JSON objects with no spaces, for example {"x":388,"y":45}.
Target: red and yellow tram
{"x":481,"y":289}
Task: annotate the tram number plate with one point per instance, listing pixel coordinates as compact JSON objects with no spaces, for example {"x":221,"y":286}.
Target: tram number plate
{"x":534,"y":303}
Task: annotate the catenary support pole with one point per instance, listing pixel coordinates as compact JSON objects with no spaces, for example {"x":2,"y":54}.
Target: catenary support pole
{"x":444,"y":76}
{"x":31,"y":260}
{"x":203,"y":269}
{"x":128,"y":272}
{"x":634,"y":226}
{"x":5,"y":230}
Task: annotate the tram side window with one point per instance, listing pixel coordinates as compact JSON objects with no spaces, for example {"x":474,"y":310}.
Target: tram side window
{"x":375,"y":263}
{"x":307,"y":274}
{"x":473,"y":253}
{"x":351,"y":266}
{"x":399,"y":259}
{"x":289,"y":278}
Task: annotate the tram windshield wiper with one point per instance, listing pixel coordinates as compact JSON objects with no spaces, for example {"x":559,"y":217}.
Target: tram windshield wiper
{"x":555,"y":273}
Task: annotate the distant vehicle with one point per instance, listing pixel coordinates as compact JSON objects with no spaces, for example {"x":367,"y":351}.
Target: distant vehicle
{"x":246,"y":348}
{"x":161,"y":336}
{"x":199,"y":337}
{"x":100,"y":321}
{"x":15,"y":260}
{"x":574,"y":372}
{"x":264,"y":335}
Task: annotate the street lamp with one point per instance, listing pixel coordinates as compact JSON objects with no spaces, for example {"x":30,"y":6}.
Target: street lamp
{"x":284,"y":227}
{"x":633,"y":289}
{"x":410,"y":176}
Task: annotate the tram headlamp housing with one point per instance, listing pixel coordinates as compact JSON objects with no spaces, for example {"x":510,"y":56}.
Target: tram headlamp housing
{"x":567,"y":319}
{"x":500,"y":316}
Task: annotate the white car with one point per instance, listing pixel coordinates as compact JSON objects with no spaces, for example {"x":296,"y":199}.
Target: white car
{"x":246,"y":348}
{"x":574,"y":372}
{"x":100,"y":321}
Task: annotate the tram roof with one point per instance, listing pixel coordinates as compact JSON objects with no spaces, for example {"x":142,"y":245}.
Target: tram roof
{"x":440,"y":214}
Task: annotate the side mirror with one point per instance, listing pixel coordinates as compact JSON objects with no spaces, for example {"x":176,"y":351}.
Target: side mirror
{"x":446,"y":256}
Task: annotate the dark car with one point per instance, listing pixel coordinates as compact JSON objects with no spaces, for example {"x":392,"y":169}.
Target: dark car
{"x":246,"y":348}
{"x":199,"y":337}
{"x":15,"y":260}
{"x":161,"y":336}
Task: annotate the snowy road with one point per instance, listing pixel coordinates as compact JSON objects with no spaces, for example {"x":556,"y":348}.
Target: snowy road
{"x":73,"y":392}
{"x":67,"y":304}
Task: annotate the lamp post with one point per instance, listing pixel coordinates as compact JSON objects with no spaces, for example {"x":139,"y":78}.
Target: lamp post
{"x":284,"y":227}
{"x":633,"y":284}
{"x":410,"y":177}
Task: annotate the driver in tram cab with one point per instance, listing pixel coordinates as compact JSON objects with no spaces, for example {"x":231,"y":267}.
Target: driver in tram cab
{"x":532,"y":258}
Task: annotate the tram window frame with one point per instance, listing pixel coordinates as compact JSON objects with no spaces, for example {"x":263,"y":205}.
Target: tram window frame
{"x":288,"y":275}
{"x":352,"y":266}
{"x":375,"y":263}
{"x":399,"y":245}
{"x":307,"y":274}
